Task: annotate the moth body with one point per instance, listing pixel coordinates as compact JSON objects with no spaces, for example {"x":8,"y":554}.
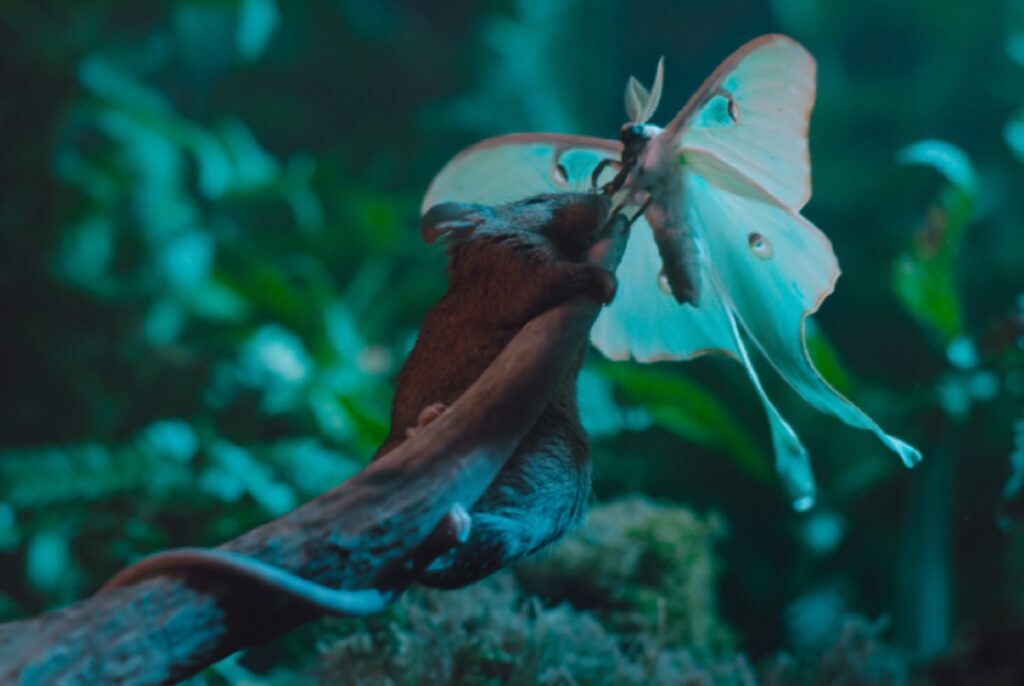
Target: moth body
{"x":650,"y":156}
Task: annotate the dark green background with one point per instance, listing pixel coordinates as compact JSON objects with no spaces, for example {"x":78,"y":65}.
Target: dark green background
{"x":210,"y":272}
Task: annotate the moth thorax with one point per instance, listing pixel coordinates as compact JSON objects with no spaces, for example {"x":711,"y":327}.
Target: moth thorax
{"x":636,"y":133}
{"x":634,"y":137}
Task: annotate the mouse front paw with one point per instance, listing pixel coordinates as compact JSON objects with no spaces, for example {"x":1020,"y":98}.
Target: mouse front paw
{"x":427,"y":415}
{"x":605,"y":284}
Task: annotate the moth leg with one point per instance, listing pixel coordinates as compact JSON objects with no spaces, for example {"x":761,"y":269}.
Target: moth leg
{"x":571,"y":279}
{"x":427,"y":415}
{"x":643,"y":208}
{"x":617,"y":216}
{"x":614,"y":216}
{"x":613,"y":186}
{"x":607,"y":162}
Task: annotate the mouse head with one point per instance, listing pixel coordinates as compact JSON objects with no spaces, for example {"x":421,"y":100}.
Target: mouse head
{"x":569,"y":220}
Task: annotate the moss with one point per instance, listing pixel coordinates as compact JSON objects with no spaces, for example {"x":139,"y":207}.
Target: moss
{"x":643,"y":568}
{"x":491,"y":634}
{"x":856,"y":656}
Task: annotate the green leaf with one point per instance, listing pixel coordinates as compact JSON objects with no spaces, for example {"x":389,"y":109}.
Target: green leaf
{"x":924,"y":276}
{"x":1014,"y":134}
{"x":1012,"y":507}
{"x":680,"y":406}
{"x":600,"y":415}
{"x":86,"y":251}
{"x":925,"y":289}
{"x":105,"y":80}
{"x":826,"y":360}
{"x":257,"y":20}
{"x":154,"y":463}
{"x":946,"y":158}
{"x":46,"y":560}
{"x":234,"y":471}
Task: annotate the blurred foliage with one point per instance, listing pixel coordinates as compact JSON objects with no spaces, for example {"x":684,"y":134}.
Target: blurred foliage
{"x":1013,"y":494}
{"x":926,"y":279}
{"x":210,"y":274}
{"x":685,"y":409}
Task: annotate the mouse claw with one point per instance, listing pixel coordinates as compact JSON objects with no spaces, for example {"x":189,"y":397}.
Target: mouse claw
{"x":602,"y":284}
{"x":453,"y":530}
{"x":610,"y":286}
{"x":458,"y":524}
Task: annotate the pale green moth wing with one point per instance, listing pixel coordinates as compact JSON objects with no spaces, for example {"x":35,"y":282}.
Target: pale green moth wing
{"x":753,"y":113}
{"x":646,"y":323}
{"x":775,"y":268}
{"x":743,"y":141}
{"x":507,"y":168}
{"x":791,"y":459}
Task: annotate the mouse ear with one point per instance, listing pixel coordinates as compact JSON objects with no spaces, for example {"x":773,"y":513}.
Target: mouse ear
{"x":457,"y":218}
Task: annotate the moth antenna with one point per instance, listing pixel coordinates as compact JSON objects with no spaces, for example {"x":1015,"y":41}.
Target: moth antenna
{"x":655,"y":95}
{"x":636,"y":98}
{"x":640,"y":102}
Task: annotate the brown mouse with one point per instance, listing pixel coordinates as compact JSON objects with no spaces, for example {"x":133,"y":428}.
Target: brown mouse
{"x":506,"y":265}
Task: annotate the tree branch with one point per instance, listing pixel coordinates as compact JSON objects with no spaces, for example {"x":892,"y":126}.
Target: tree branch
{"x":361,"y":534}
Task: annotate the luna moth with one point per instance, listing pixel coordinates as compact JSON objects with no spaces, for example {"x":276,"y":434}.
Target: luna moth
{"x":719,"y":246}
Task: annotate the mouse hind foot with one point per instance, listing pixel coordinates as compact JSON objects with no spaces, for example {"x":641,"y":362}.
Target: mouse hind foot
{"x":503,"y":535}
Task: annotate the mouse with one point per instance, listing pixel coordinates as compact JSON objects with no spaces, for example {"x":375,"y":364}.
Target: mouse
{"x":506,"y":265}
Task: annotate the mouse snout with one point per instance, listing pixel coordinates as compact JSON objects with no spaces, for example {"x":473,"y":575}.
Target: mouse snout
{"x":577,"y":221}
{"x":586,"y":208}
{"x":597,"y":202}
